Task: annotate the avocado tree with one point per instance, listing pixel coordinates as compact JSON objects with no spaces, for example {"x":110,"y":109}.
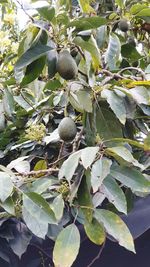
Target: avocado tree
{"x":74,"y":122}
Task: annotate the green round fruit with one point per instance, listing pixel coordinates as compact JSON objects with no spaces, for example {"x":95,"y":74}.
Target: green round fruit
{"x":131,"y":41}
{"x":67,"y":129}
{"x":66,"y":66}
{"x":123,"y":25}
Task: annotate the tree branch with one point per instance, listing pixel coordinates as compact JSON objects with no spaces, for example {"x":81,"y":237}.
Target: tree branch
{"x":97,"y":256}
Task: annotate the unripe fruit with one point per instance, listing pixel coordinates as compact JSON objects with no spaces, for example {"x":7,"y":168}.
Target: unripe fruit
{"x":123,"y":25}
{"x":67,"y":129}
{"x":66,"y":66}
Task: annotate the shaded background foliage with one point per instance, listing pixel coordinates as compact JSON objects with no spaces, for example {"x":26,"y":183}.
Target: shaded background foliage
{"x":52,"y":189}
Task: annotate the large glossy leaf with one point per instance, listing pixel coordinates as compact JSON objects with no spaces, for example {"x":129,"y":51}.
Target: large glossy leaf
{"x":108,"y":126}
{"x":47,"y":13}
{"x":69,"y":166}
{"x":88,"y":155}
{"x":91,"y":46}
{"x":95,"y":232}
{"x":124,"y":153}
{"x":85,"y":6}
{"x":83,"y":24}
{"x":66,"y":247}
{"x":116,"y":228}
{"x":8,"y":205}
{"x":116,"y":103}
{"x":131,"y":178}
{"x":31,"y":55}
{"x":100,"y":169}
{"x":113,"y":52}
{"x":37,"y":214}
{"x":85,"y":200}
{"x":41,"y":185}
{"x":114,"y":194}
{"x":58,"y":207}
{"x":140,"y":94}
{"x":6,"y":186}
{"x":33,"y":70}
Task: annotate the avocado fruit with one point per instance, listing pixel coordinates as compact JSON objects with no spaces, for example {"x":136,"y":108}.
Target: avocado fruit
{"x":67,"y":129}
{"x":66,"y":65}
{"x":123,"y":25}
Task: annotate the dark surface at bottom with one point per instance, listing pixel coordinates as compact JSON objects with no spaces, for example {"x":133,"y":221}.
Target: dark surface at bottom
{"x":112,"y":256}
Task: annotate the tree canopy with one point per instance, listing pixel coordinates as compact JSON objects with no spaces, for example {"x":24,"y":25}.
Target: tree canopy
{"x":89,"y":61}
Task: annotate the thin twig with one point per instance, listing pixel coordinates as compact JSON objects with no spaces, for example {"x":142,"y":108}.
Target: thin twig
{"x":61,"y":150}
{"x":39,"y":172}
{"x":22,"y":7}
{"x":133,"y":68}
{"x":77,"y":140}
{"x":97,"y":256}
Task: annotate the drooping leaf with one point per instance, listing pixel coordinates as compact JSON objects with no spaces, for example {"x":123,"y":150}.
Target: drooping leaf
{"x":31,"y":55}
{"x":131,"y":178}
{"x":69,"y":166}
{"x":95,"y":232}
{"x":116,"y":103}
{"x":83,"y":24}
{"x":123,"y":152}
{"x":41,"y":185}
{"x":46,"y":12}
{"x":37,"y":214}
{"x":6,"y":186}
{"x":108,"y":126}
{"x":85,"y":200}
{"x":113,"y":52}
{"x":116,"y":228}
{"x":88,"y":155}
{"x":67,"y":246}
{"x":58,"y":207}
{"x":8,"y":205}
{"x":100,"y":169}
{"x":114,"y":194}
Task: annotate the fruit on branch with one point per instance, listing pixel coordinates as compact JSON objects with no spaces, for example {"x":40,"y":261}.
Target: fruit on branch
{"x":123,"y":25}
{"x":66,"y":65}
{"x":67,"y":129}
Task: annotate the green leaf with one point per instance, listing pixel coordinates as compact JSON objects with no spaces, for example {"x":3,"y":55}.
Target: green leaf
{"x":88,"y":155}
{"x":85,"y":6}
{"x":33,"y":70}
{"x":115,"y":227}
{"x":144,"y":12}
{"x":124,"y":153}
{"x":95,"y":232}
{"x":100,"y":169}
{"x":108,"y":126}
{"x":129,"y":51}
{"x":31,"y":55}
{"x":41,"y":185}
{"x":101,"y":36}
{"x":58,"y":207}
{"x":114,"y":194}
{"x":136,"y":8}
{"x":47,"y":12}
{"x":116,"y":103}
{"x":113,"y":52}
{"x":84,"y":100}
{"x":6,"y":186}
{"x":83,"y":24}
{"x":147,"y":143}
{"x":37,"y":214}
{"x":140,"y":94}
{"x":8,"y":205}
{"x":67,"y":246}
{"x":91,"y":47}
{"x":126,"y":140}
{"x":51,"y":62}
{"x":120,"y":3}
{"x":131,"y":178}
{"x":69,"y":166}
{"x":85,"y":200}
{"x":40,"y":165}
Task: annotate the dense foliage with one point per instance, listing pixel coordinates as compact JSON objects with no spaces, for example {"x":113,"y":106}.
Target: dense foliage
{"x":90,"y":61}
